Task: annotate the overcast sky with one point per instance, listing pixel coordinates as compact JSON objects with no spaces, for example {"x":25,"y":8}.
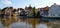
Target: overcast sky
{"x":23,"y":3}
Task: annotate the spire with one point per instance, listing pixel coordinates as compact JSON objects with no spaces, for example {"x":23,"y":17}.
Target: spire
{"x":25,"y":6}
{"x":30,"y":5}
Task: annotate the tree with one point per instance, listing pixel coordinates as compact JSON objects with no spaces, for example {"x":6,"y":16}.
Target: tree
{"x":38,"y":13}
{"x":33,"y":11}
{"x":0,"y":11}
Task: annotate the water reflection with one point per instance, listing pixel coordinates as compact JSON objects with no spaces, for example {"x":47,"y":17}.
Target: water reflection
{"x":25,"y":23}
{"x":20,"y":25}
{"x":41,"y":26}
{"x":6,"y":22}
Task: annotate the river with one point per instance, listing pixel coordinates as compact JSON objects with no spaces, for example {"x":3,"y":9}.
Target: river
{"x":26,"y":23}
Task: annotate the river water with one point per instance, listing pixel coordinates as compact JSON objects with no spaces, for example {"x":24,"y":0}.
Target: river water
{"x":26,"y":23}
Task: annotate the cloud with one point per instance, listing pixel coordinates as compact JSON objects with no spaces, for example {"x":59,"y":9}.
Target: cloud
{"x":6,"y":2}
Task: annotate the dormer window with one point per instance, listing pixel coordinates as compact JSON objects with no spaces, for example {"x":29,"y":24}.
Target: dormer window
{"x":58,"y":14}
{"x":54,"y":3}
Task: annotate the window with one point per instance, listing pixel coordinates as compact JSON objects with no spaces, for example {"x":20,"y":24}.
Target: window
{"x":53,"y":14}
{"x":58,"y":14}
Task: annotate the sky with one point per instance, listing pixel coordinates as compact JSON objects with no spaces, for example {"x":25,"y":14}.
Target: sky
{"x":23,"y":3}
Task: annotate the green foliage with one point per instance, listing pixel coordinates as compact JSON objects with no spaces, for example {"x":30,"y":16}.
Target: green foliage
{"x":33,"y":11}
{"x":38,"y":13}
{"x":0,"y":11}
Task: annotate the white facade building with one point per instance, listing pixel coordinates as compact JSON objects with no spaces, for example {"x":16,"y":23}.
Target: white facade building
{"x":54,"y":11}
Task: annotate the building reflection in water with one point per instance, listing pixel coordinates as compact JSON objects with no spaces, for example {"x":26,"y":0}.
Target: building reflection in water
{"x":22,"y":23}
{"x":7,"y":22}
{"x":33,"y":22}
